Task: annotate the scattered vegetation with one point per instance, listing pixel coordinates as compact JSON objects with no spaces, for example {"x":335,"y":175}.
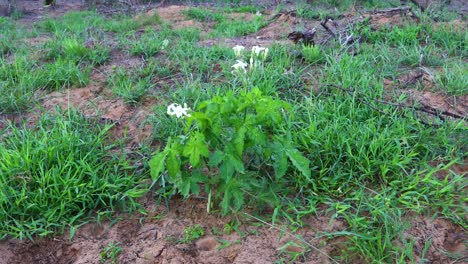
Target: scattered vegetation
{"x":294,"y":130}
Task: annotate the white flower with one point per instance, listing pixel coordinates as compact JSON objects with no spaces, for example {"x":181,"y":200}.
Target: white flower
{"x":260,"y":52}
{"x":239,"y":66}
{"x":258,"y":13}
{"x":178,"y":110}
{"x":238,"y":50}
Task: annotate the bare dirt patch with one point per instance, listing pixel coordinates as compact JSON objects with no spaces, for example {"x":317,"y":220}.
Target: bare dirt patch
{"x":445,"y":237}
{"x":156,"y":239}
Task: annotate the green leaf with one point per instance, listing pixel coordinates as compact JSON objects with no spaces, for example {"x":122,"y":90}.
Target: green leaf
{"x":299,"y":161}
{"x":280,"y":160}
{"x":236,"y":163}
{"x":226,"y":170}
{"x":239,"y":140}
{"x":173,"y":164}
{"x":157,"y":165}
{"x":196,"y":147}
{"x":136,"y":193}
{"x":216,"y":158}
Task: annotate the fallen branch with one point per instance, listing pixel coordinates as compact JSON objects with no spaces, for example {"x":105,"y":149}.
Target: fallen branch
{"x":325,"y":26}
{"x":399,"y":9}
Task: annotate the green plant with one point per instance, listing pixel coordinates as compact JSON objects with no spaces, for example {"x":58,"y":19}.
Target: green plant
{"x":192,"y":233}
{"x":148,"y":44}
{"x":235,"y":28}
{"x":130,"y":86}
{"x":218,"y":152}
{"x":203,"y":15}
{"x":453,"y":78}
{"x":313,"y":54}
{"x":58,"y":174}
{"x":110,"y":253}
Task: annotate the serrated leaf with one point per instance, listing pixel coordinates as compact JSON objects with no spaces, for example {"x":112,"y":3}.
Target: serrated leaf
{"x":157,"y":165}
{"x":173,"y":164}
{"x":216,"y":158}
{"x":226,"y":170}
{"x":236,"y":163}
{"x":196,"y":147}
{"x":280,"y":160}
{"x":239,"y":140}
{"x":299,"y":161}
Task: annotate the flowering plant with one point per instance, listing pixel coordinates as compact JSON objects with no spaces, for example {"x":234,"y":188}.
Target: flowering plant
{"x":229,"y":143}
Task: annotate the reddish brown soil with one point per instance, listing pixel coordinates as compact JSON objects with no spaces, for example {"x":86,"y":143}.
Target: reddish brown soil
{"x":154,"y":238}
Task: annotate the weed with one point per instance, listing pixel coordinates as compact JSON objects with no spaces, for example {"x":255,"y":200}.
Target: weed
{"x":110,"y":253}
{"x":226,"y":121}
{"x":192,"y":233}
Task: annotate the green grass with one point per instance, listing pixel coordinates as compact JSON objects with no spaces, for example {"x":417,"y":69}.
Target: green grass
{"x":58,"y":173}
{"x":303,"y":132}
{"x":130,"y":86}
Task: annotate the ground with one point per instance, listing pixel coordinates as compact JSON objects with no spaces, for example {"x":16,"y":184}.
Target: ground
{"x":243,"y":237}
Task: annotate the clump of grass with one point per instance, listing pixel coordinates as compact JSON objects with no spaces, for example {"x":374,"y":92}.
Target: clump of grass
{"x":453,"y":78}
{"x":18,"y":84}
{"x":76,"y":50}
{"x":130,"y":86}
{"x":235,"y":28}
{"x":313,"y":54}
{"x":63,"y":74}
{"x":57,"y":174}
{"x":148,"y":44}
{"x":204,"y":15}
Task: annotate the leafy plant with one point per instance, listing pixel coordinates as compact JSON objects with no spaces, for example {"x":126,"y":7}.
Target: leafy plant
{"x":231,"y":145}
{"x":192,"y":233}
{"x":111,"y":252}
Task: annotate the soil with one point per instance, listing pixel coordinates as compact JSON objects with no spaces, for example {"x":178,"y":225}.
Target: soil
{"x":155,"y":237}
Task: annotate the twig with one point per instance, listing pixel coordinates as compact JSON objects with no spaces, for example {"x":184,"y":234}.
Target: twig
{"x":392,"y":10}
{"x":325,"y":26}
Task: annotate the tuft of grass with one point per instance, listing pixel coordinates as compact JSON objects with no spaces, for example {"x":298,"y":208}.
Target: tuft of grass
{"x":453,"y":78}
{"x":234,"y":28}
{"x":58,"y":174}
{"x":313,"y":54}
{"x":204,"y":15}
{"x":129,"y":86}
